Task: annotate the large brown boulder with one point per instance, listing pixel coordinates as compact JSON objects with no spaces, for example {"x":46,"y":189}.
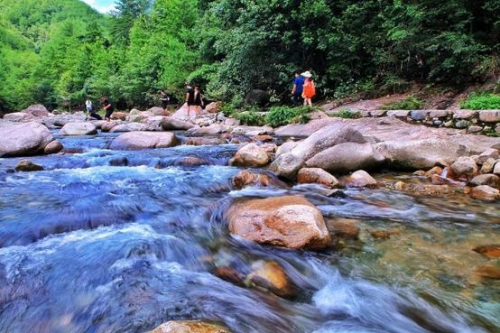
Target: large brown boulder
{"x":288,"y":221}
{"x":361,"y":178}
{"x":27,"y":166}
{"x":23,"y":139}
{"x":347,"y":157}
{"x":78,"y":128}
{"x":250,"y":155}
{"x":53,"y":147}
{"x":487,"y":179}
{"x":464,"y":168}
{"x":144,"y":140}
{"x":190,"y":326}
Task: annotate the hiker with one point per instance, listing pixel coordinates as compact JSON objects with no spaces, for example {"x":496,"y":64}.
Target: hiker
{"x":298,"y":84}
{"x":309,"y":89}
{"x":193,"y":100}
{"x":164,"y":99}
{"x":108,"y":107}
{"x":90,"y":110}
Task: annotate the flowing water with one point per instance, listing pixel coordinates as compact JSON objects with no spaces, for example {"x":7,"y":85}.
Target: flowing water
{"x":122,"y":241}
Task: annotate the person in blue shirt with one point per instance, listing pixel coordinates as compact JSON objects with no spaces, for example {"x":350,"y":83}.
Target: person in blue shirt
{"x":298,"y":84}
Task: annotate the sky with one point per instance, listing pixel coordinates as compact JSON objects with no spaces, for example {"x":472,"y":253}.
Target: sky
{"x":102,"y":6}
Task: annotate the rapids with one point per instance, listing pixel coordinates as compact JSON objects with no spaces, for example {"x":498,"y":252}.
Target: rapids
{"x":122,"y":241}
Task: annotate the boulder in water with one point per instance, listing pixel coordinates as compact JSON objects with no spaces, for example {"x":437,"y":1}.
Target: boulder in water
{"x":487,"y":179}
{"x":78,"y":128}
{"x":27,"y":166}
{"x":245,"y":178}
{"x":347,"y":157}
{"x":190,"y":326}
{"x":485,"y":193}
{"x":287,"y":221}
{"x":250,"y":155}
{"x":271,"y":276}
{"x":361,"y":178}
{"x":144,"y":140}
{"x":316,"y":176}
{"x":464,"y":168}
{"x":420,"y":154}
{"x":23,"y":139}
{"x":18,"y":117}
{"x":128,"y":127}
{"x":53,"y":147}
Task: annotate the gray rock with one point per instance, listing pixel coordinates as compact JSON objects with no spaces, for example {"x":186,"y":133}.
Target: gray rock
{"x":464,"y":114}
{"x":361,"y":178}
{"x":258,"y":97}
{"x":462,"y":124}
{"x":418,"y":114}
{"x":487,"y":154}
{"x":22,"y":139}
{"x":288,"y":164}
{"x":18,"y":117}
{"x":496,"y":168}
{"x":37,"y":110}
{"x":490,"y":116}
{"x":378,"y":113}
{"x":487,"y":179}
{"x":129,"y":127}
{"x":402,"y":114}
{"x":464,"y":166}
{"x":142,"y":140}
{"x":488,"y":166}
{"x":172,"y":124}
{"x":346,"y":157}
{"x":78,"y":128}
{"x":440,"y":114}
{"x":474,"y":129}
{"x":420,"y":154}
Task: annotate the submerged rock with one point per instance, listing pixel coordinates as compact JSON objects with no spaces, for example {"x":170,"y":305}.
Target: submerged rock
{"x":271,"y":276}
{"x":288,"y":221}
{"x":190,"y":326}
{"x":245,"y":178}
{"x":489,"y":251}
{"x":27,"y":166}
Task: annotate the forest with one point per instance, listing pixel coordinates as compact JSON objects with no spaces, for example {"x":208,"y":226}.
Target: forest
{"x":58,"y":52}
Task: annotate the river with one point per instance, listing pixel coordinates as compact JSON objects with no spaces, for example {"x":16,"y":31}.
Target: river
{"x":122,"y":241}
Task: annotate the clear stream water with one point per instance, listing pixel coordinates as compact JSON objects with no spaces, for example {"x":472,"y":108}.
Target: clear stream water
{"x":122,"y":241}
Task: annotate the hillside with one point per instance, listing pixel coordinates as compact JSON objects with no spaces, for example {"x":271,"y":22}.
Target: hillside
{"x":59,"y":52}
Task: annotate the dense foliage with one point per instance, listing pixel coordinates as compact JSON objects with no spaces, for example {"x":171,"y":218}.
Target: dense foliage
{"x":57,"y":52}
{"x":482,"y":102}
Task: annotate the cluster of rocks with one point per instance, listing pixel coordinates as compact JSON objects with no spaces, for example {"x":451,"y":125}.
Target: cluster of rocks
{"x":475,"y":122}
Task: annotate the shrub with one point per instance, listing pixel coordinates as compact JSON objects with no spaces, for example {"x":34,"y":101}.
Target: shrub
{"x":346,"y":113}
{"x":411,"y":103}
{"x":484,"y":101}
{"x":250,"y":118}
{"x":284,"y":115}
{"x":227,"y":109}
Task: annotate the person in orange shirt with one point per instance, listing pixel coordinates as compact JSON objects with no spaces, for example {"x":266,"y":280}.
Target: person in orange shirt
{"x":309,"y":89}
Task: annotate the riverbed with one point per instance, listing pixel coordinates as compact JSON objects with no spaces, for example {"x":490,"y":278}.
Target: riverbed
{"x":122,"y":241}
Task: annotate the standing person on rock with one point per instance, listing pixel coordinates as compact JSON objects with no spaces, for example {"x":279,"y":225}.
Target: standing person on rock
{"x":309,"y":89}
{"x":193,"y":100}
{"x":90,"y":110}
{"x":164,"y":99}
{"x":297,"y":87}
{"x":107,"y":107}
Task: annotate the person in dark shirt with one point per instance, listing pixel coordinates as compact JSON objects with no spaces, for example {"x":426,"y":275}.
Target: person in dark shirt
{"x":193,"y":100}
{"x":164,"y":99}
{"x":298,"y":84}
{"x":108,"y":107}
